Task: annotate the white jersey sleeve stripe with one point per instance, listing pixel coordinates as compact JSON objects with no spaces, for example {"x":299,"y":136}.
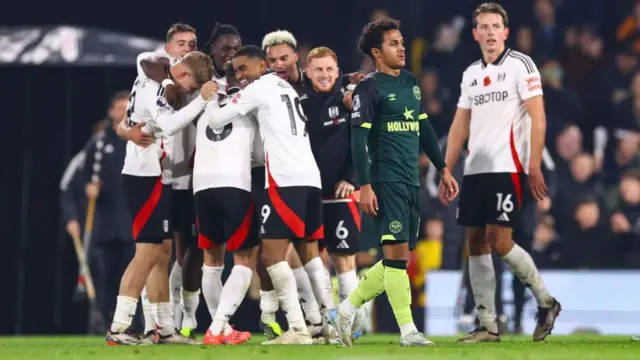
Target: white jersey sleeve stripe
{"x":527,"y":63}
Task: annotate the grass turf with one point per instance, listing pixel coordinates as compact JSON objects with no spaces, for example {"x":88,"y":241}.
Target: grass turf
{"x":375,"y":347}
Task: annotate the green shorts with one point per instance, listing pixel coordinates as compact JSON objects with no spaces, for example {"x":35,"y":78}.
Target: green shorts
{"x":398,"y":218}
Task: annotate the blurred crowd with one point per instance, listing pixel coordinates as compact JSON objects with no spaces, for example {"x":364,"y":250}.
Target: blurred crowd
{"x":591,"y":87}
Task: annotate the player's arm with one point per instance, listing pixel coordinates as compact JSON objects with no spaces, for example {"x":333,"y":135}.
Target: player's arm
{"x":153,"y":65}
{"x":365,"y":102}
{"x":236,"y":107}
{"x":530,"y":90}
{"x":459,"y":131}
{"x":170,"y":121}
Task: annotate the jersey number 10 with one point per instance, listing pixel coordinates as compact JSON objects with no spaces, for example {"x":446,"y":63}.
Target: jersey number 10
{"x":292,"y":116}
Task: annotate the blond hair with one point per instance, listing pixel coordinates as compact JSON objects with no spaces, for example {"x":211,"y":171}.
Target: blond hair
{"x":490,"y":8}
{"x":279,"y":37}
{"x":320,"y":52}
{"x":200,"y":65}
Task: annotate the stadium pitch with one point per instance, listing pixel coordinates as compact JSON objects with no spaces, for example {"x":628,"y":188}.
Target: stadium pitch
{"x":374,"y":347}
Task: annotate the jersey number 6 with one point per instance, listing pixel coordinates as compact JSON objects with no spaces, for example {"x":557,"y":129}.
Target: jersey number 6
{"x":292,"y":117}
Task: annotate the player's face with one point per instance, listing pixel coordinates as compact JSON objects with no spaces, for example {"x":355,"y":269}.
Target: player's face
{"x":224,"y":49}
{"x":323,"y":73}
{"x":248,"y":68}
{"x":183,"y":77}
{"x":392,"y":53}
{"x":490,"y":32}
{"x":282,"y":59}
{"x":181,"y":44}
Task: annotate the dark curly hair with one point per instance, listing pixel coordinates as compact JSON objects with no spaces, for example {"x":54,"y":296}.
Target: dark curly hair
{"x":373,"y":34}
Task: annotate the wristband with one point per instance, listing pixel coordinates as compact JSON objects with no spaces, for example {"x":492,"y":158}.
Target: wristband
{"x":166,"y":82}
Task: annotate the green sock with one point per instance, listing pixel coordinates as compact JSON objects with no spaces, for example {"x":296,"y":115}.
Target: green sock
{"x":370,"y":286}
{"x":396,"y":284}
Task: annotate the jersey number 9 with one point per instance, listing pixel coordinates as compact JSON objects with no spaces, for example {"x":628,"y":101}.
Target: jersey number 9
{"x":292,"y":117}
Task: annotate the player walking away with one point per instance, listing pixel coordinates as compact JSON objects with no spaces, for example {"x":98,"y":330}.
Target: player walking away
{"x":501,"y":115}
{"x":293,"y":205}
{"x":389,"y":126}
{"x":146,"y":181}
{"x":327,"y":105}
{"x":280,"y":49}
{"x":222,"y":185}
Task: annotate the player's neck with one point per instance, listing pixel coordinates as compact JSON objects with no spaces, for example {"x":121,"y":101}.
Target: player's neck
{"x":383,"y":68}
{"x":490,"y":57}
{"x":295,"y":77}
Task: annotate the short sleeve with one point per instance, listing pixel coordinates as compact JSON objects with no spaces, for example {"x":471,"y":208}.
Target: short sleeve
{"x":528,"y":80}
{"x":464,"y":102}
{"x":247,"y":100}
{"x":365,"y":102}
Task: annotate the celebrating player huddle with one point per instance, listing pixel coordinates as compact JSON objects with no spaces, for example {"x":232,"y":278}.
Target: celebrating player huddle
{"x":250,"y":154}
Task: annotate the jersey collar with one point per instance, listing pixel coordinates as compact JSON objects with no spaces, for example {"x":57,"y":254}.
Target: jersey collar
{"x":499,"y":60}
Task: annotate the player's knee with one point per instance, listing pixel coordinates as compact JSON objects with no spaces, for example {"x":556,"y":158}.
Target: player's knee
{"x":501,"y":239}
{"x":344,"y":262}
{"x":214,"y":256}
{"x":307,"y":250}
{"x":397,"y":250}
{"x":477,"y":242}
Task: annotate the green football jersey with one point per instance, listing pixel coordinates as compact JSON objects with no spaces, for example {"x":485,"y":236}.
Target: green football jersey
{"x":391,"y":107}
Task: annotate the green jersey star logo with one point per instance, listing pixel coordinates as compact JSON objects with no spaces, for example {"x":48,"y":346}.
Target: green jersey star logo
{"x":408,"y":114}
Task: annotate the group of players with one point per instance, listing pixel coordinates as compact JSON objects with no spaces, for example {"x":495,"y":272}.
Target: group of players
{"x":240,"y":150}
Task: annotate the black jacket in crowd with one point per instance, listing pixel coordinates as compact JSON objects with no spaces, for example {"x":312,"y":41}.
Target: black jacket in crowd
{"x":112,"y":221}
{"x":329,"y":126}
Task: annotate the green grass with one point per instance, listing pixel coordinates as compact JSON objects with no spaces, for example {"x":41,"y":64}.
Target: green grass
{"x":376,"y":347}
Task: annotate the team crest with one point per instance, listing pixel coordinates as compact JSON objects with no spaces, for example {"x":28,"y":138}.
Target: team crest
{"x":395,"y":227}
{"x":165,"y":225}
{"x":333,"y":112}
{"x":416,"y":93}
{"x":501,"y":77}
{"x":356,"y":103}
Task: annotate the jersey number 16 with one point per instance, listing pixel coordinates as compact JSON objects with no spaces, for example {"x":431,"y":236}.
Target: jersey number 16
{"x":292,"y":116}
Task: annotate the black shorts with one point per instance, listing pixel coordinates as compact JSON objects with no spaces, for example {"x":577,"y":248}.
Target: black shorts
{"x":292,"y":212}
{"x":225,"y":216}
{"x":149,"y":203}
{"x":491,"y":198}
{"x":341,"y":225}
{"x":183,"y":215}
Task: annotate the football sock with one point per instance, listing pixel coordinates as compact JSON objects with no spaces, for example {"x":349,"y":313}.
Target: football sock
{"x":149,"y":320}
{"x":318,"y":278}
{"x":268,"y":306}
{"x":125,"y":311}
{"x":483,"y":285}
{"x":371,"y":285}
{"x":212,"y":287}
{"x":163,"y":313}
{"x":233,"y":293}
{"x":398,"y":289}
{"x":284,"y":283}
{"x":175,"y":284}
{"x":525,"y":269}
{"x":347,"y":283}
{"x":190,"y":302}
{"x":306,"y":296}
{"x":328,"y":283}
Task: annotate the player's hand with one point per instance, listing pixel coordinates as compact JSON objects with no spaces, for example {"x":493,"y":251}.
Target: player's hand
{"x":620,"y":224}
{"x":208,"y":90}
{"x":368,"y":200}
{"x":92,"y":190}
{"x":356,"y":77}
{"x":449,"y":188}
{"x":544,"y":205}
{"x":347,"y":100}
{"x":73,"y":228}
{"x":343,"y":189}
{"x":537,"y":185}
{"x":139,"y":137}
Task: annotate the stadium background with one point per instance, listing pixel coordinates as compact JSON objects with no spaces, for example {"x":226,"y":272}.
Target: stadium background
{"x":49,"y":111}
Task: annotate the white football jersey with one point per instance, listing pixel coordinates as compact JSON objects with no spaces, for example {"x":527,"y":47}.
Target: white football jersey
{"x":282,"y":123}
{"x":500,"y":133}
{"x":223,"y":158}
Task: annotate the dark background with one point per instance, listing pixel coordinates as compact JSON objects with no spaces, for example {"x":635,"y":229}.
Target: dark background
{"x":48,"y":112}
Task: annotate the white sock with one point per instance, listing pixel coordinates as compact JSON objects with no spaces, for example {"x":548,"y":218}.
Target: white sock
{"x":285,"y":285}
{"x":149,"y":320}
{"x":175,"y":284}
{"x":306,"y":296}
{"x":318,"y":277}
{"x":189,"y":303}
{"x":268,"y":306}
{"x":233,"y":293}
{"x":347,"y":283}
{"x":328,"y":290}
{"x":524,"y":268}
{"x":212,"y":287}
{"x":407,"y":329}
{"x":163,"y":313}
{"x":125,"y":311}
{"x":483,"y":284}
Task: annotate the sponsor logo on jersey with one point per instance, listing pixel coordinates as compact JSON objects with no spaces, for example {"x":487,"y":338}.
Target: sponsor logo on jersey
{"x":355,"y":114}
{"x":165,"y":225}
{"x":395,"y":226}
{"x":493,"y":96}
{"x":403,"y":126}
{"x":356,"y":103}
{"x":334,"y":122}
{"x":333,"y":112}
{"x":416,"y":92}
{"x":533,"y":83}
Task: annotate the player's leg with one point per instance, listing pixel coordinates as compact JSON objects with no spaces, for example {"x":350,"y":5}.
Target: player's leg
{"x":175,"y":277}
{"x":269,"y":304}
{"x":509,"y":203}
{"x":306,"y":295}
{"x":281,"y":222}
{"x":191,"y":266}
{"x":158,"y":293}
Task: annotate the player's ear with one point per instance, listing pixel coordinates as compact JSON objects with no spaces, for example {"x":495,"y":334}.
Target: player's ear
{"x":295,"y":57}
{"x":375,"y":52}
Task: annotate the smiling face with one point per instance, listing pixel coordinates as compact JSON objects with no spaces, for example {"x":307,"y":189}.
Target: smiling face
{"x":224,"y":49}
{"x":248,"y":68}
{"x":323,"y":73}
{"x":180,"y":44}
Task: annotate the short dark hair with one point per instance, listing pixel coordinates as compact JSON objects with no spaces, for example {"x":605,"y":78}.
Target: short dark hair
{"x":179,"y":28}
{"x":373,"y":34}
{"x":251,"y":51}
{"x":220,"y":30}
{"x":490,"y":8}
{"x":120,"y":95}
